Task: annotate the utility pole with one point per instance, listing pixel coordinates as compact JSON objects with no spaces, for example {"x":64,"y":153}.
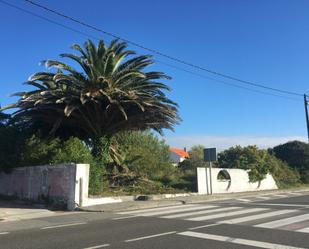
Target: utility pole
{"x":306,"y":111}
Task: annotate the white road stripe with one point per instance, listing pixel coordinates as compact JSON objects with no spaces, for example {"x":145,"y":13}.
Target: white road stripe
{"x":302,"y":191}
{"x":199,"y":212}
{"x":209,"y":225}
{"x":184,"y":209}
{"x":280,"y":204}
{"x":99,"y":246}
{"x":256,"y":217}
{"x":295,"y":194}
{"x":155,"y":209}
{"x":280,"y":196}
{"x":3,"y":233}
{"x":64,"y":225}
{"x":303,"y":230}
{"x":262,"y":197}
{"x":284,"y":222}
{"x":150,"y":236}
{"x":243,"y":200}
{"x":123,"y":218}
{"x":222,"y":215}
{"x":239,"y":241}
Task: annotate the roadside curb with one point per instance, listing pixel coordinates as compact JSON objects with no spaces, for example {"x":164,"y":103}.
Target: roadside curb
{"x":153,"y":201}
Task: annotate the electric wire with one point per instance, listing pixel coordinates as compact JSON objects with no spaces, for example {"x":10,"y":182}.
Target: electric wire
{"x":160,"y":53}
{"x":226,"y":83}
{"x":158,"y":61}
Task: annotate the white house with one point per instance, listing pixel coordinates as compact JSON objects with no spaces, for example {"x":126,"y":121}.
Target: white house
{"x":178,"y":155}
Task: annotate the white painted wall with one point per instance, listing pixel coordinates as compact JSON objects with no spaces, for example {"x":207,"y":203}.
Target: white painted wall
{"x":81,"y":184}
{"x":239,"y":181}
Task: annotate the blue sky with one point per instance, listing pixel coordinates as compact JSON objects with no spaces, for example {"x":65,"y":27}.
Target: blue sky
{"x":262,"y":41}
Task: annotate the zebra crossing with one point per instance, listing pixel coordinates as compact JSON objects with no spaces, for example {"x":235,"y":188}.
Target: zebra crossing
{"x":271,"y":196}
{"x":284,"y":219}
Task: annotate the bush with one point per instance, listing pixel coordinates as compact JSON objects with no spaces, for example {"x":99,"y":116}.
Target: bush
{"x":12,"y":140}
{"x":296,"y":154}
{"x":97,"y":180}
{"x":38,"y":151}
{"x":72,"y":150}
{"x":145,"y":155}
{"x":283,"y":174}
{"x":247,"y":158}
{"x":258,"y":163}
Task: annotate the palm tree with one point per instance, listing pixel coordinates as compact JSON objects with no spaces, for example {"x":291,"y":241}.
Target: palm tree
{"x":110,"y":93}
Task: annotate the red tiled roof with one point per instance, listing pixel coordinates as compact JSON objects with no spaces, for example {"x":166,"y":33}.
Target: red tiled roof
{"x":180,"y":152}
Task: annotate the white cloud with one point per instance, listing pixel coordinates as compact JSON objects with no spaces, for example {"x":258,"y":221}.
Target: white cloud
{"x":224,"y":142}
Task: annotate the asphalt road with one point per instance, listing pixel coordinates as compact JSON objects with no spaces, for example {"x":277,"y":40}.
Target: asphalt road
{"x":269,"y":221}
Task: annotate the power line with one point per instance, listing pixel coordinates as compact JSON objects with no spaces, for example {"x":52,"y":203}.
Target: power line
{"x":160,"y":53}
{"x":226,"y":83}
{"x":161,"y":62}
{"x":46,"y":19}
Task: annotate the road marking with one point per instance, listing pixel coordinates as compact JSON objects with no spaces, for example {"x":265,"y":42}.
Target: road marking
{"x":279,"y":196}
{"x":295,"y":193}
{"x":244,"y":200}
{"x":302,"y":191}
{"x":279,"y":204}
{"x":303,"y":230}
{"x":99,"y":246}
{"x":150,"y":236}
{"x":209,"y":225}
{"x":284,"y":222}
{"x":64,"y":225}
{"x":156,"y":209}
{"x":256,"y":217}
{"x":262,"y":197}
{"x":221,"y":215}
{"x":122,"y":218}
{"x":239,"y":241}
{"x":179,"y":210}
{"x":3,"y":233}
{"x":199,"y":212}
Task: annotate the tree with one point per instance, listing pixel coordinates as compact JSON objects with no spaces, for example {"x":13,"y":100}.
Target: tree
{"x":197,"y":152}
{"x":296,"y":154}
{"x":195,"y":160}
{"x":111,"y":93}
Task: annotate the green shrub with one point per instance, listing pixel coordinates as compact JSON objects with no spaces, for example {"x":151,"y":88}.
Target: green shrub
{"x":185,"y":181}
{"x":284,"y":175}
{"x":247,"y":158}
{"x":38,"y":151}
{"x":97,"y":180}
{"x":258,"y":163}
{"x":296,"y":154}
{"x":72,"y":150}
{"x":145,"y":155}
{"x":12,"y":139}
